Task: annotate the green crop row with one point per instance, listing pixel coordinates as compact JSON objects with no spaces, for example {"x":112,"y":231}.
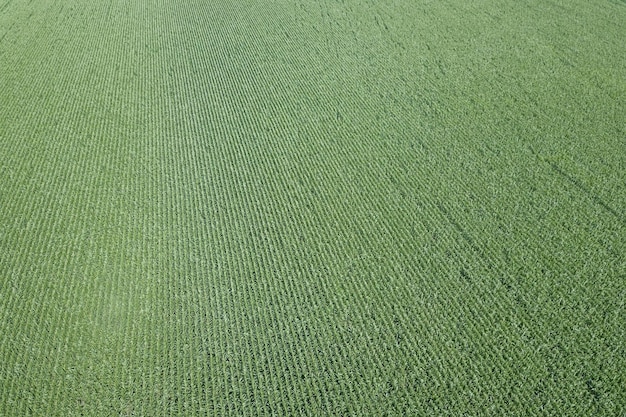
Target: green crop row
{"x":312,"y":208}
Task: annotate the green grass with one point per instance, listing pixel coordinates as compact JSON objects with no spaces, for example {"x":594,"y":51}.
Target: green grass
{"x":289,"y":207}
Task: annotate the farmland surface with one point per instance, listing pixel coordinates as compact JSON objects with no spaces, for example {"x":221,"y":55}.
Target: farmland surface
{"x":290,"y":207}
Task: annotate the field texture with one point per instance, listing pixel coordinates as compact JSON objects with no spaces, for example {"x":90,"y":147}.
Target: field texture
{"x":290,"y":207}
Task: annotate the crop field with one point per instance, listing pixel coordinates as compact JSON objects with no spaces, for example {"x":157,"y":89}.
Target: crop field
{"x":303,"y":207}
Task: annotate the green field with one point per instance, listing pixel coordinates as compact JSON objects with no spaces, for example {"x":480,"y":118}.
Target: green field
{"x":299,"y":207}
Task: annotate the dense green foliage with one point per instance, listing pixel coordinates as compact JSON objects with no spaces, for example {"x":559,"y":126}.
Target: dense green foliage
{"x":283,"y":207}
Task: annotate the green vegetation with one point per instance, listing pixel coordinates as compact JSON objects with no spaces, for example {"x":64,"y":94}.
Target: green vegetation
{"x":289,"y":207}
